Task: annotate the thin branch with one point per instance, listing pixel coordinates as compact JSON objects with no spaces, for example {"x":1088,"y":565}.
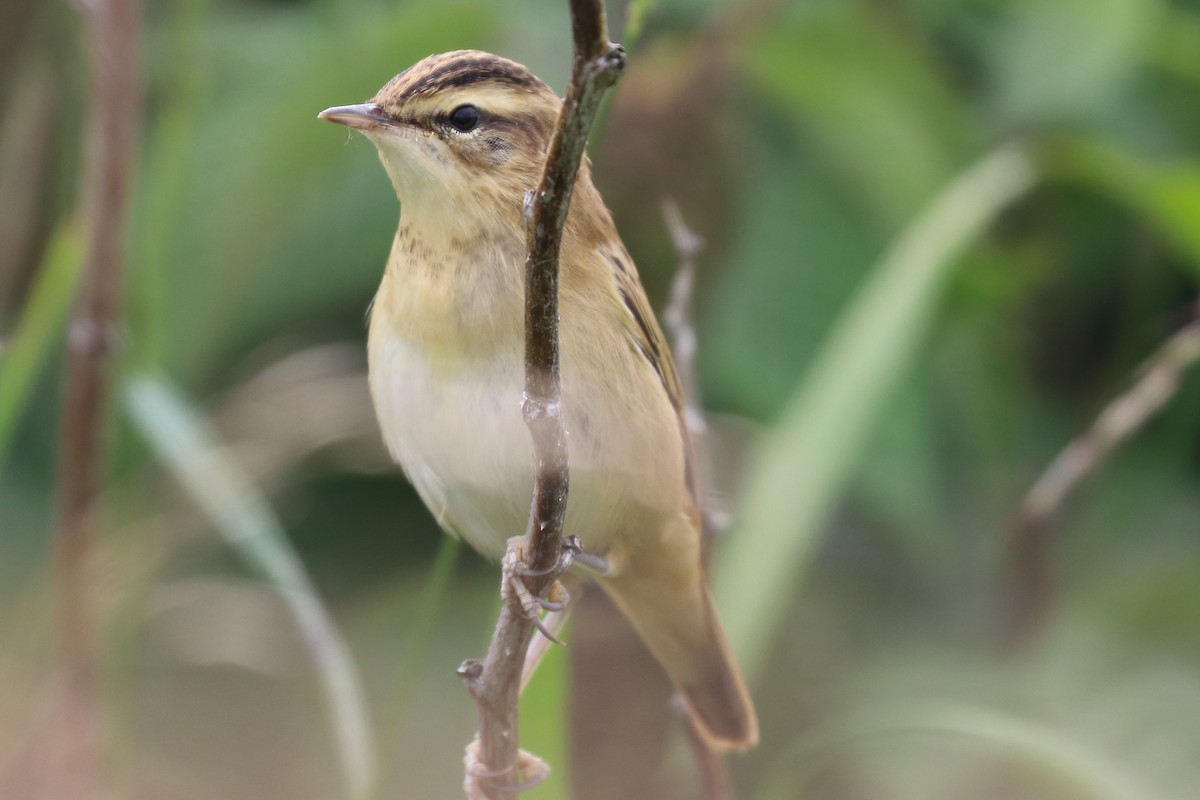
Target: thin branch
{"x":678,"y":315}
{"x":715,"y":781}
{"x":109,"y":139}
{"x":495,"y":683}
{"x":677,"y":318}
{"x":1119,"y":421}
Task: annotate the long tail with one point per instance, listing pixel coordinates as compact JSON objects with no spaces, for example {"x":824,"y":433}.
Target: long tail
{"x":662,"y":590}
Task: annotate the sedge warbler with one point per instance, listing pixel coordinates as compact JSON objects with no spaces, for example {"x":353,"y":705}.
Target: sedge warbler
{"x":463,"y":136}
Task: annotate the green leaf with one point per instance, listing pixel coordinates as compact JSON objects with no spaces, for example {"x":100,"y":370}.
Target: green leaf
{"x":876,"y":109}
{"x":1065,"y":59}
{"x":38,"y":328}
{"x":800,"y":252}
{"x":1166,"y":194}
{"x":273,"y":216}
{"x":803,"y":466}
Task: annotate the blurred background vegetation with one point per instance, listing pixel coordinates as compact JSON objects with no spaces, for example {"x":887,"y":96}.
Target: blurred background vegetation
{"x":942,"y":237}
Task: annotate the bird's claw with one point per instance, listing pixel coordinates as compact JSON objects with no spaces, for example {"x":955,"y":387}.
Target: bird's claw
{"x":556,"y":598}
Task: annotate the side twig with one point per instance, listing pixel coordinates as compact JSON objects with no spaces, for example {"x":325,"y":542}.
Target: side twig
{"x":495,"y":683}
{"x":677,"y":318}
{"x":678,"y":315}
{"x":1122,"y":418}
{"x":109,"y":139}
{"x":715,"y":780}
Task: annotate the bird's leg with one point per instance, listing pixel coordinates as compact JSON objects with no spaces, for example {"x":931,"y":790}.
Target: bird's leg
{"x":593,"y":563}
{"x":530,"y":768}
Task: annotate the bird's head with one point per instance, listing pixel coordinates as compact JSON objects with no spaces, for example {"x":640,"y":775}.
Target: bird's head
{"x":458,"y":132}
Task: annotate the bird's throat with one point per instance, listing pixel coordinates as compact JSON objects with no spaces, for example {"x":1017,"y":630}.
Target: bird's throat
{"x":458,"y":295}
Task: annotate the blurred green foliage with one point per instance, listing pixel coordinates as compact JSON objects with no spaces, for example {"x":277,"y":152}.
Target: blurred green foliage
{"x":804,"y":139}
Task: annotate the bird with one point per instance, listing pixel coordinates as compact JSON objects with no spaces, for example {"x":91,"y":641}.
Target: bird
{"x":463,"y":136}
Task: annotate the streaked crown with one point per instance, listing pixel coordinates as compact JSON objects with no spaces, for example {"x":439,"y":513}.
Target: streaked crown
{"x":457,"y":70}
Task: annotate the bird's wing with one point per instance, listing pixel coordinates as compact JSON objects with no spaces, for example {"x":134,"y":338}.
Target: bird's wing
{"x":643,"y":329}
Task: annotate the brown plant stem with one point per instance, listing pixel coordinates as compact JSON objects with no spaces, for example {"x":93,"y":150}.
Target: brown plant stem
{"x":495,"y":684}
{"x":713,"y":767}
{"x":1028,"y":535}
{"x":677,"y":319}
{"x":109,"y":138}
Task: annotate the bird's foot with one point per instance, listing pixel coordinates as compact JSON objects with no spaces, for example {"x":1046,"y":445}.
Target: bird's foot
{"x":556,"y":598}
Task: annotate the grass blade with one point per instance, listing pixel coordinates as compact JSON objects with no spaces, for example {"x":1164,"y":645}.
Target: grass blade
{"x":183,"y":441}
{"x":801,"y":469}
{"x":38,"y":328}
{"x":1055,"y":754}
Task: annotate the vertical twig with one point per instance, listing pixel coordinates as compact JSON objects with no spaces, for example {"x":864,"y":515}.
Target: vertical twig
{"x":109,"y":140}
{"x":712,"y":766}
{"x":1027,"y":544}
{"x":715,"y":781}
{"x":495,"y":683}
{"x":677,"y":319}
{"x":678,"y":315}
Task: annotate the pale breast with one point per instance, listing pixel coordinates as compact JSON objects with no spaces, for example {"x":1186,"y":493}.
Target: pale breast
{"x":453,"y":422}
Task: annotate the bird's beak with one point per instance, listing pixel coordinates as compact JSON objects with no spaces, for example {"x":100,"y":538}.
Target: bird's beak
{"x":364,"y":116}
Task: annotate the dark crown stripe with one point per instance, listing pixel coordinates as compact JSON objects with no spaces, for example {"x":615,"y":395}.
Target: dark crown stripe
{"x":467,"y":70}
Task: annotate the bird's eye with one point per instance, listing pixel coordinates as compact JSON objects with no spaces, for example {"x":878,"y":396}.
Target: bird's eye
{"x":465,"y":118}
